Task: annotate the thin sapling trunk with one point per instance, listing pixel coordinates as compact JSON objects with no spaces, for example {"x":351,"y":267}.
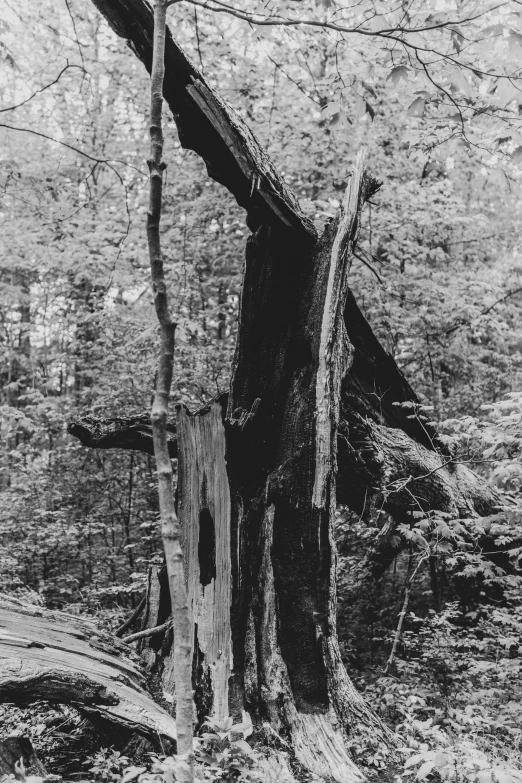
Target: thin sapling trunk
{"x":407,"y":592}
{"x":170,"y":528}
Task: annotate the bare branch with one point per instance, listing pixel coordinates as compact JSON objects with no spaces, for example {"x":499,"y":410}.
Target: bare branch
{"x":130,"y":620}
{"x":147,"y":632}
{"x":395,"y":34}
{"x":42,"y":89}
{"x":107,"y":161}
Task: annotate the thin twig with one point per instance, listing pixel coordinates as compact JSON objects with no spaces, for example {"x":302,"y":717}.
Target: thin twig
{"x":395,"y":34}
{"x":370,"y":267}
{"x":147,"y":632}
{"x":107,"y":161}
{"x":407,"y":591}
{"x":42,"y":89}
{"x":136,"y":613}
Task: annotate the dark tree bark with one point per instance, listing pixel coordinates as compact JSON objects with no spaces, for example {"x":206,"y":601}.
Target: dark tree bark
{"x":17,"y":756}
{"x":313,"y":395}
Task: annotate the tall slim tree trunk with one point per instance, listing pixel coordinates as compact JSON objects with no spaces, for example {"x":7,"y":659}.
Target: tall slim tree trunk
{"x":170,"y":529}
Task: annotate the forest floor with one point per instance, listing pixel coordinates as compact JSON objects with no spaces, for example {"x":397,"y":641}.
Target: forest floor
{"x":454,"y":700}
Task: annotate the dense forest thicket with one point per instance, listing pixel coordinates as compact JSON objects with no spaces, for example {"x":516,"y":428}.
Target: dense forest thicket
{"x":438,"y":274}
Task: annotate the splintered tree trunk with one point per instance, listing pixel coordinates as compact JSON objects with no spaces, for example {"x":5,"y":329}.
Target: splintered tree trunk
{"x":283,"y":414}
{"x":256,"y":500}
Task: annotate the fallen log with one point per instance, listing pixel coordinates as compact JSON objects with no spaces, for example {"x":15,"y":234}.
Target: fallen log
{"x":67,"y":660}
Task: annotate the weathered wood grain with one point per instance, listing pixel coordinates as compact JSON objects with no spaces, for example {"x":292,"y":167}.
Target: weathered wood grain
{"x":63,"y":659}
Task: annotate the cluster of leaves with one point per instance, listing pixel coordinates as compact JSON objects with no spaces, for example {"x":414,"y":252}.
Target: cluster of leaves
{"x":455,"y":698}
{"x":222,"y":755}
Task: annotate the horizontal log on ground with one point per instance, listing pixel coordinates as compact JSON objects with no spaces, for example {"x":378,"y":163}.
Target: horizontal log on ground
{"x":67,"y":660}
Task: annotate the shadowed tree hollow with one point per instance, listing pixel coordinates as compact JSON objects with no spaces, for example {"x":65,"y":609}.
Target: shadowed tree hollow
{"x":313,"y":418}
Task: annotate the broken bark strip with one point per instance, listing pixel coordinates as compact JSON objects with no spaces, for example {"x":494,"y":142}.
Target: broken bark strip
{"x":208,"y":126}
{"x":170,"y":530}
{"x":334,"y":349}
{"x":205,"y":517}
{"x":61,"y":659}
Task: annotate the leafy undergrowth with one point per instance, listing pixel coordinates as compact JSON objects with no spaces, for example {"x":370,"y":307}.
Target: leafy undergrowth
{"x":454,"y":700}
{"x":63,"y":740}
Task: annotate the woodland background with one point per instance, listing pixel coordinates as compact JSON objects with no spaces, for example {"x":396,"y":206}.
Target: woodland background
{"x":439,"y":278}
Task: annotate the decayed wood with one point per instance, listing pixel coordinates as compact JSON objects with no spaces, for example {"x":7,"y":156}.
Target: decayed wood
{"x":318,"y":740}
{"x":284,"y":621}
{"x":205,"y":516}
{"x":62,"y":659}
{"x":207,"y":125}
{"x":404,"y":475}
{"x":17,"y":756}
{"x":157,"y":613}
{"x":170,"y":528}
{"x":121,"y":433}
